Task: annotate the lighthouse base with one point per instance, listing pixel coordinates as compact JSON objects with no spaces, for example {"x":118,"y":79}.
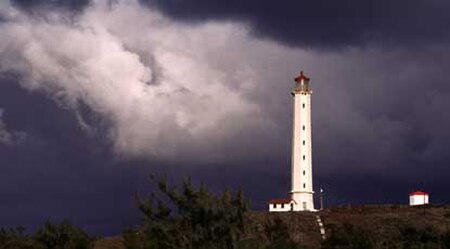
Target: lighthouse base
{"x":303,"y":200}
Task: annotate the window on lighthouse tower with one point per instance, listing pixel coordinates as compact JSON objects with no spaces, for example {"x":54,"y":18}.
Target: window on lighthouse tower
{"x":303,"y":127}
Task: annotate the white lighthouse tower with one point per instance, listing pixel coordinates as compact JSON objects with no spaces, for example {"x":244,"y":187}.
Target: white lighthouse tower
{"x":301,"y":174}
{"x":302,"y":187}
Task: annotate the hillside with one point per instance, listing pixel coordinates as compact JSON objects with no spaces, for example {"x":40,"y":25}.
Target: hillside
{"x":388,"y":226}
{"x":370,"y":226}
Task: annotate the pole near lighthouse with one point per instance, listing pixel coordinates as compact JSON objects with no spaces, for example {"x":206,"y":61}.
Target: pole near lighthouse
{"x":321,"y":198}
{"x":301,"y":181}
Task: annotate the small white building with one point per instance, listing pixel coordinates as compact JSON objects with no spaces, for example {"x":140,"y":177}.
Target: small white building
{"x":281,"y":205}
{"x":418,"y":198}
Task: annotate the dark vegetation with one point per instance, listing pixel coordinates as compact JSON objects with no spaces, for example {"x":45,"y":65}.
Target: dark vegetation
{"x":191,"y":217}
{"x":49,"y":236}
{"x":388,"y":226}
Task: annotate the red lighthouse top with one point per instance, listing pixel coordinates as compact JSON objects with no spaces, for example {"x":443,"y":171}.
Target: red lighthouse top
{"x":301,"y":77}
{"x":418,"y":193}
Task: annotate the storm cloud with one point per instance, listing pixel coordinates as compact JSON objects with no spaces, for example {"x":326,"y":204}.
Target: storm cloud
{"x":199,"y":93}
{"x":8,"y":137}
{"x":37,"y":6}
{"x":164,"y":97}
{"x":312,"y":24}
{"x":325,"y":24}
{"x":107,"y":91}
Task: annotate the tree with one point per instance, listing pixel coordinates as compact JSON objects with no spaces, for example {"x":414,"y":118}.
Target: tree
{"x":189,"y":218}
{"x":15,"y":238}
{"x":63,"y":236}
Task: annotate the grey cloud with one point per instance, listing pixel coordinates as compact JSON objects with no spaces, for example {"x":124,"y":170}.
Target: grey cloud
{"x":208,"y":104}
{"x":9,"y":137}
{"x":103,"y":61}
{"x":313,"y":24}
{"x":39,"y":5}
{"x":212,"y":101}
{"x":325,"y":24}
{"x":394,"y":116}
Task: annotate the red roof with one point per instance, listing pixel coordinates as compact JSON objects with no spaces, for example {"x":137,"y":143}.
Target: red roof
{"x":301,"y":77}
{"x":418,"y":193}
{"x":280,"y":201}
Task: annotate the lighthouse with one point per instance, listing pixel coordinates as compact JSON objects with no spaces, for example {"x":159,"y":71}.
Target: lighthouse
{"x":301,"y":195}
{"x":301,"y":175}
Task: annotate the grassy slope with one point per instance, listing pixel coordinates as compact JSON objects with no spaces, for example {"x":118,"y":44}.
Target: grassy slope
{"x":389,"y":223}
{"x":381,"y":221}
{"x":115,"y":242}
{"x":300,"y":227}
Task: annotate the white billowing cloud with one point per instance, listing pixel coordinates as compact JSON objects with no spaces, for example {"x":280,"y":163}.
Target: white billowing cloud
{"x":9,"y":137}
{"x":6,"y":10}
{"x":170,"y":90}
{"x":210,"y":91}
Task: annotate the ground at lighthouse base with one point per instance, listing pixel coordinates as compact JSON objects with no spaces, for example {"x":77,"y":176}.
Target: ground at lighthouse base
{"x":369,"y":226}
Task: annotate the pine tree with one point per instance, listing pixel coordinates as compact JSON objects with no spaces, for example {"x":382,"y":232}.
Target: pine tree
{"x":190,"y":218}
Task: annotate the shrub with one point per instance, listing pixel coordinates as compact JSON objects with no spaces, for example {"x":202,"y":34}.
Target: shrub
{"x":63,"y":236}
{"x":189,"y":218}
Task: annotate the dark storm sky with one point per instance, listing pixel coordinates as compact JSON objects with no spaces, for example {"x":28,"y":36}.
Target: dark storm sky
{"x":381,"y":114}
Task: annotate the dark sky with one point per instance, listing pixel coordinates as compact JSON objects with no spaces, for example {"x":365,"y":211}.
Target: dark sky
{"x":77,"y":143}
{"x":325,"y":24}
